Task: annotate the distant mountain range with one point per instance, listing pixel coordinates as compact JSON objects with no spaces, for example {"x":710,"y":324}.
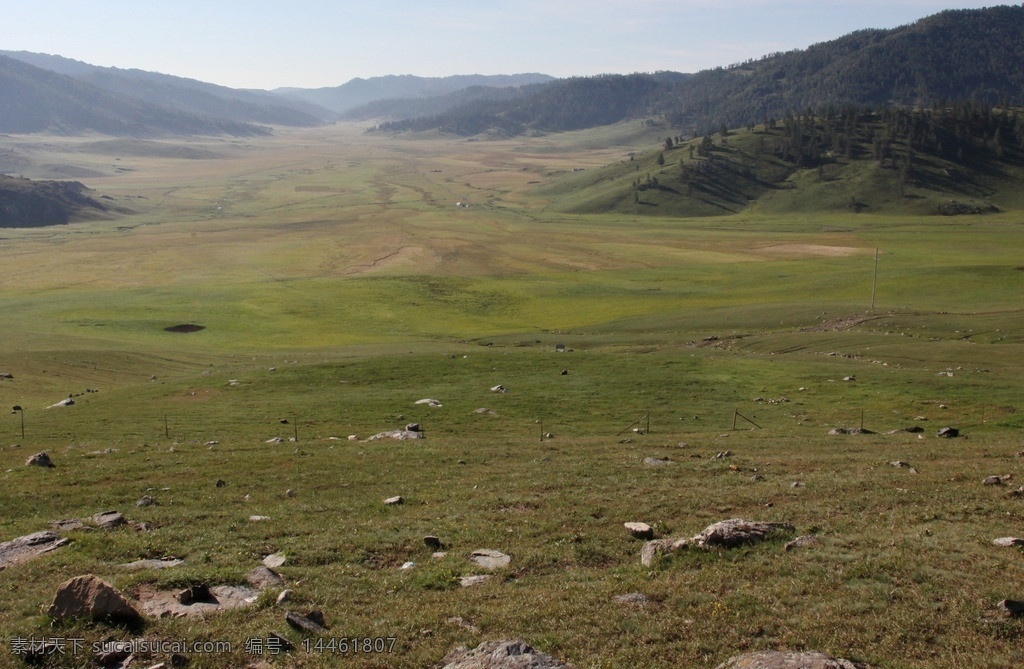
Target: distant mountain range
{"x":975,"y":55}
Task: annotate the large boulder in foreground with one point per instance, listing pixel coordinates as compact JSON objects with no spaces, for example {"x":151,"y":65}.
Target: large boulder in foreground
{"x":781,"y":659}
{"x":92,"y":598}
{"x":515,"y":654}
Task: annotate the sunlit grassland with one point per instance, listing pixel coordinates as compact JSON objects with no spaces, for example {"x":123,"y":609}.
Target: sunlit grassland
{"x":338,"y":283}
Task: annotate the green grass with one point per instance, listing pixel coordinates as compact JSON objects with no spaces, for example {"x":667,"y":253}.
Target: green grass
{"x":722,"y":334}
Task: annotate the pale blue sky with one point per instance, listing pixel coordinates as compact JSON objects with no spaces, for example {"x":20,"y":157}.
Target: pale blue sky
{"x":313,"y":43}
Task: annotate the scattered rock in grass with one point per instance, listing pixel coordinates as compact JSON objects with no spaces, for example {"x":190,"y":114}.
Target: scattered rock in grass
{"x":290,"y":492}
{"x":311,"y":623}
{"x":515,"y":654}
{"x":400,"y":435}
{"x":721,"y":454}
{"x":851,"y":377}
{"x":274,"y":560}
{"x":439,"y":555}
{"x":913,"y":429}
{"x":67,"y":402}
{"x":1019,"y":492}
{"x":257,"y":519}
{"x":92,"y":598}
{"x":153,"y":564}
{"x":29,"y":546}
{"x":220,"y":483}
{"x":948,"y":432}
{"x":165,"y":603}
{"x":414,"y":427}
{"x":804,"y":541}
{"x":903,"y":465}
{"x":489,"y":559}
{"x":284,"y":596}
{"x":657,"y":462}
{"x":632,"y":598}
{"x":485,"y":410}
{"x":40,"y":459}
{"x":780,"y":659}
{"x":756,"y":478}
{"x":640,"y":530}
{"x":109,"y":519}
{"x":459,"y":621}
{"x":145,"y":500}
{"x":1008,"y":542}
{"x":280,"y":643}
{"x":730,"y":533}
{"x":1011,"y":607}
{"x":470,"y":581}
{"x":849,"y":430}
{"x":992,"y":480}
{"x":274,"y":440}
{"x":67,"y":524}
{"x":397,"y":499}
{"x":263,"y":577}
{"x":499,"y":389}
{"x":432,"y":542}
{"x":796,"y":484}
{"x":429,"y":402}
{"x":407,"y":565}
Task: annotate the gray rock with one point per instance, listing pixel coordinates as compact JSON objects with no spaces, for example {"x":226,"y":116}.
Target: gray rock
{"x":145,"y":500}
{"x":900,"y":464}
{"x":489,"y":559}
{"x":397,"y":499}
{"x":777,"y":659}
{"x":400,"y":435}
{"x":432,"y":542}
{"x":109,"y":519}
{"x":804,"y":541}
{"x":639,"y":530}
{"x":311,"y":623}
{"x":992,"y":480}
{"x":1008,"y":542}
{"x":41,"y":459}
{"x":657,"y":462}
{"x":738,"y":532}
{"x":470,"y":581}
{"x":264,"y":577}
{"x":632,"y":598}
{"x":29,"y":546}
{"x":515,"y":654}
{"x":90,"y":597}
{"x":274,"y":561}
{"x":948,"y":432}
{"x":152,"y":564}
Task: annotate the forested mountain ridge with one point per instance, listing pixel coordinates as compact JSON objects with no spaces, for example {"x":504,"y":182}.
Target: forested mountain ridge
{"x":949,"y":159}
{"x":954,"y":55}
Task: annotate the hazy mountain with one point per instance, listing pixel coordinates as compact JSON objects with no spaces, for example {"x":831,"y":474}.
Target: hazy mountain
{"x":358,"y":92}
{"x":955,"y":55}
{"x":36,"y":100}
{"x":184,"y":95}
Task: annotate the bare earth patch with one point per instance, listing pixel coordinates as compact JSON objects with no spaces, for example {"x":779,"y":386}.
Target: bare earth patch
{"x":813,"y":250}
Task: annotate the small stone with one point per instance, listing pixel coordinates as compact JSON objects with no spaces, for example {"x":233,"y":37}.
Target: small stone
{"x":470,"y":581}
{"x":264,"y":577}
{"x":948,"y":432}
{"x":490,"y":559}
{"x":41,"y":459}
{"x":290,"y":492}
{"x":195,"y":593}
{"x":640,"y":530}
{"x":632,"y":598}
{"x":284,"y":596}
{"x":305,"y":623}
{"x":220,"y":483}
{"x":109,"y":519}
{"x":779,"y":659}
{"x":397,"y":499}
{"x":274,"y":561}
{"x":498,"y":654}
{"x":407,"y":565}
{"x":992,"y":480}
{"x":432,"y":542}
{"x":1007,"y":542}
{"x":803,"y":541}
{"x":281,"y":641}
{"x":257,"y":519}
{"x":145,"y":500}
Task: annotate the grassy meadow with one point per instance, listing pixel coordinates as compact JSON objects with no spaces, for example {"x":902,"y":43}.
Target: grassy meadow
{"x":341,"y":277}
